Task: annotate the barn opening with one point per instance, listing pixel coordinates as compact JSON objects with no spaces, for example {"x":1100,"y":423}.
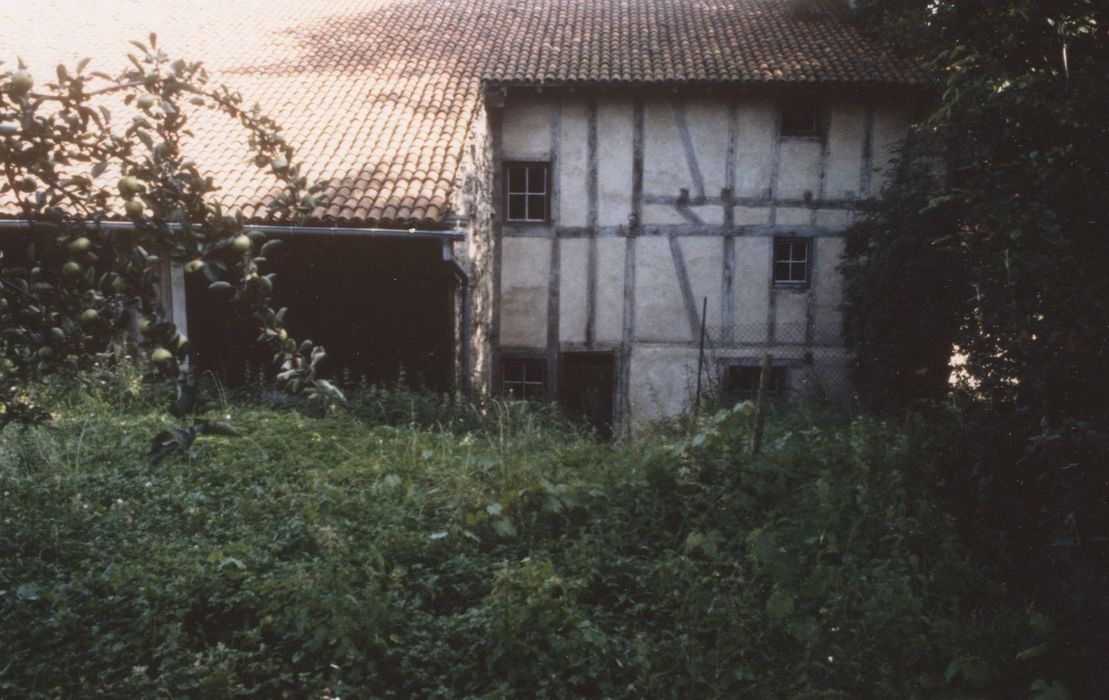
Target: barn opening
{"x":382,"y":307}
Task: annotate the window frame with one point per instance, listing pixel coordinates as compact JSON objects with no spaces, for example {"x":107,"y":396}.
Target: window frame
{"x":791,"y":261}
{"x":779,"y":381}
{"x":538,"y":386}
{"x":527,"y":193}
{"x":795,"y":106}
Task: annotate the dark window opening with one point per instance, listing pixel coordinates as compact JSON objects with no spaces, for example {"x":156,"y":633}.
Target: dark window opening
{"x":742,"y":382}
{"x":586,"y":385}
{"x":527,"y":191}
{"x":792,"y":261}
{"x":800,"y":120}
{"x":524,"y":378}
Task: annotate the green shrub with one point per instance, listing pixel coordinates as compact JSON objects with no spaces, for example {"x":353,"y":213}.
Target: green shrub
{"x":491,"y":556}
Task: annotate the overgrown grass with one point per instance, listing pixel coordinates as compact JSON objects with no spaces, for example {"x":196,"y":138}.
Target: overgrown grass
{"x":414,"y":547}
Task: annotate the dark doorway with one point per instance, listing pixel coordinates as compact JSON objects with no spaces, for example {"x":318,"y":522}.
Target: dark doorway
{"x":586,"y":388}
{"x":383,"y":308}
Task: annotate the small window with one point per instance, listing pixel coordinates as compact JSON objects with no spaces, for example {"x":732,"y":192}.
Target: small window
{"x":742,"y":382}
{"x":800,"y":120}
{"x":524,"y":378}
{"x":527,"y":191}
{"x":791,"y":261}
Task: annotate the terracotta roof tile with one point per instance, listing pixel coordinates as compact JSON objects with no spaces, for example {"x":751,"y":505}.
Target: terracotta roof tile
{"x":377,"y":96}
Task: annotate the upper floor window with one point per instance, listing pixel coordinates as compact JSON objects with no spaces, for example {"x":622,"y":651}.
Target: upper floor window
{"x":792,"y":261}
{"x":800,"y":119}
{"x":528,"y":192}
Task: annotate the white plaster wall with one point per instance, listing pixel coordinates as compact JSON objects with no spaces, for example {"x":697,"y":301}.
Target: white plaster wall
{"x":527,"y":130}
{"x":665,"y":171}
{"x":836,"y":219}
{"x":662,"y":215}
{"x":750,"y":289}
{"x":614,"y":160}
{"x":710,"y":214}
{"x":573,"y":289}
{"x":799,"y":168}
{"x":828,"y":282}
{"x":610,"y":290}
{"x":573,"y":165}
{"x":756,"y":121}
{"x":789,"y":312}
{"x":704,"y":261}
{"x":708,"y":127}
{"x":846,"y":132}
{"x":793,"y":216}
{"x":659,"y":308}
{"x":662,"y":381}
{"x":525,"y":274}
{"x":751,"y":216}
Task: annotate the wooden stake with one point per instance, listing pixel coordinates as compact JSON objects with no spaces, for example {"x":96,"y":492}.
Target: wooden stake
{"x":760,"y":404}
{"x":701,"y":355}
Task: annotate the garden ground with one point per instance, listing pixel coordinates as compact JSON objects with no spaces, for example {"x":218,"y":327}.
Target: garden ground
{"x":413,"y":547}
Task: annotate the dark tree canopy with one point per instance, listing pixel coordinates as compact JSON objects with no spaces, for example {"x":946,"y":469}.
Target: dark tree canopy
{"x":1016,"y":226}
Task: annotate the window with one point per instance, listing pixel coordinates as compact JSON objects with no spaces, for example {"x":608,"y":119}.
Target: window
{"x":527,"y":191}
{"x":800,"y":120}
{"x":791,"y":261}
{"x":742,"y":382}
{"x":524,"y":378}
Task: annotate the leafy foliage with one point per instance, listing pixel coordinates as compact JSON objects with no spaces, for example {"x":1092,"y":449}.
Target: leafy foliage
{"x":374,"y":560}
{"x":70,"y":302}
{"x":1020,"y":128}
{"x":1002,"y":258}
{"x":898,"y":261}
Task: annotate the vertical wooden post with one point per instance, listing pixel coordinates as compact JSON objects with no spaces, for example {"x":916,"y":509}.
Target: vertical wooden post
{"x":701,"y":355}
{"x":760,"y":404}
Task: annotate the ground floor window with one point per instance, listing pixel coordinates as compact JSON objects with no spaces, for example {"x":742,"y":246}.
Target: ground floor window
{"x":742,"y":382}
{"x":524,"y":378}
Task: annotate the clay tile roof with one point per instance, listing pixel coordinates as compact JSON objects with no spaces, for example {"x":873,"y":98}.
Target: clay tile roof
{"x":378,"y":96}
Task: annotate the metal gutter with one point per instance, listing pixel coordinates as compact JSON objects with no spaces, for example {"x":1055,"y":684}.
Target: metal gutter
{"x":455,"y":234}
{"x":465,"y":288}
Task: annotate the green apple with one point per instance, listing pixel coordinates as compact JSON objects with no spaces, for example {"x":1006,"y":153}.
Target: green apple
{"x":194,"y":266}
{"x":129,"y":186}
{"x":89,"y":316}
{"x":71,"y":270}
{"x":241,"y":243}
{"x":80,"y":245}
{"x":145,"y":101}
{"x":20,"y":83}
{"x":133,"y":207}
{"x":160,"y":356}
